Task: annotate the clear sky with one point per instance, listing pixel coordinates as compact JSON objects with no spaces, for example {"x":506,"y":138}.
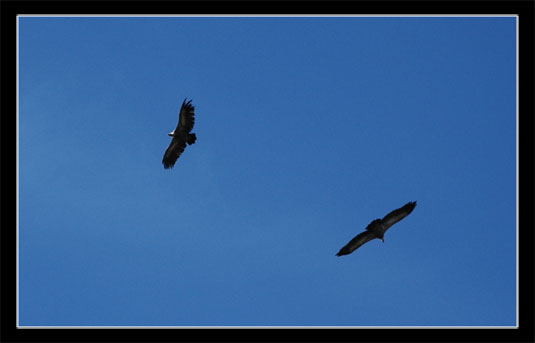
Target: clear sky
{"x":307,"y":130}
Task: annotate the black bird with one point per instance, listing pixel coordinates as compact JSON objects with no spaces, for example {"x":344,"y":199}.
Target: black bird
{"x":377,"y":228}
{"x":181,"y":135}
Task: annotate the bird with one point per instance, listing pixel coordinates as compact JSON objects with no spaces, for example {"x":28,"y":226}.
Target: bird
{"x":181,"y":135}
{"x":377,"y":228}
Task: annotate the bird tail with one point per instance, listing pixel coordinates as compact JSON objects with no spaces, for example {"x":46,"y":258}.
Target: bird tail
{"x":191,"y":138}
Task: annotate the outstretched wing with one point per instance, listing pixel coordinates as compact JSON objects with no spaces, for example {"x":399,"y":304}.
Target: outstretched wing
{"x":173,"y":152}
{"x":186,"y":119}
{"x":396,"y":215}
{"x":356,"y":242}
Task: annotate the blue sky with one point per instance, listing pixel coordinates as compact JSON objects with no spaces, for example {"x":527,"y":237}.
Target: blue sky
{"x":307,"y":130}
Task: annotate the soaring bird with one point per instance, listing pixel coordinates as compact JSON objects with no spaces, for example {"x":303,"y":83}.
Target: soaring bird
{"x":377,"y":228}
{"x":181,"y":135}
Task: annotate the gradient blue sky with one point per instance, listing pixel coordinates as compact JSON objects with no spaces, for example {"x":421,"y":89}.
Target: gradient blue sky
{"x":308,"y":129}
